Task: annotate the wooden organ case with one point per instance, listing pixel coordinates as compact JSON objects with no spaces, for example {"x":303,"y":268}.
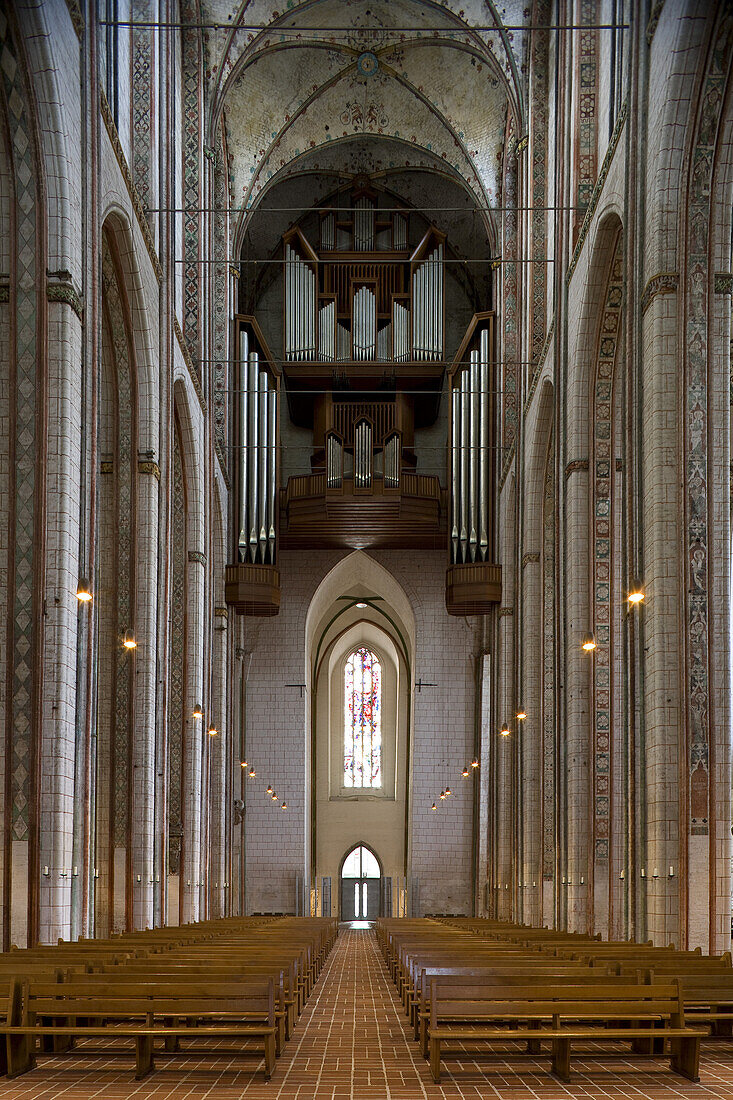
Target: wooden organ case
{"x":363,"y":366}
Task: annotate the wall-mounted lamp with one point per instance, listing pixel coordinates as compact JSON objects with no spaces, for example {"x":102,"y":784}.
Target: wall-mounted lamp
{"x":671,"y":872}
{"x":442,"y":794}
{"x":198,"y":710}
{"x":521,"y":713}
{"x":252,"y":772}
{"x":269,"y":790}
{"x":465,"y":773}
{"x":83,"y":591}
{"x":284,"y":805}
{"x":448,"y":792}
{"x":213,"y":731}
{"x":128,"y":640}
{"x":504,"y":731}
{"x":474,"y":762}
{"x":636,"y":593}
{"x":433,"y":807}
{"x":589,"y":642}
{"x":274,"y":797}
{"x":643,"y":873}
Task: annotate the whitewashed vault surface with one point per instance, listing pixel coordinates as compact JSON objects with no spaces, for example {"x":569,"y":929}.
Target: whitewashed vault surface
{"x":434,"y":79}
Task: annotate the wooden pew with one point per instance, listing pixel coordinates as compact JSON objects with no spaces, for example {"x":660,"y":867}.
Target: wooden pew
{"x":244,"y":1011}
{"x":561,"y":1014}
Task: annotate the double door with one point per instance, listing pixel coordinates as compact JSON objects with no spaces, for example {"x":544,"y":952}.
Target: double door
{"x":359,"y":898}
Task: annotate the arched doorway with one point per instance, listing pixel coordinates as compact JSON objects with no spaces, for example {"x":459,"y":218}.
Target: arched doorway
{"x":360,"y":877}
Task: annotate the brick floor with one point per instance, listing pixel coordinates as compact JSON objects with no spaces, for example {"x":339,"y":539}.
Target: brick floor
{"x":352,"y":1043}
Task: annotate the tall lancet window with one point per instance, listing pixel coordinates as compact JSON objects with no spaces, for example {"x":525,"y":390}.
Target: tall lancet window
{"x":362,"y":719}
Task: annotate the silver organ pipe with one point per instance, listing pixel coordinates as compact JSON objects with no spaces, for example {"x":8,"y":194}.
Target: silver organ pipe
{"x":400,"y":332}
{"x":364,"y":323}
{"x":328,"y":233}
{"x":364,"y":225}
{"x":470,"y":459}
{"x":262,"y":468}
{"x":258,"y":461}
{"x":465,"y":427}
{"x":300,"y":307}
{"x":483,"y":479}
{"x":392,"y":462}
{"x":243,"y":426}
{"x":327,"y":332}
{"x":334,"y":462}
{"x":455,"y":472}
{"x":271,"y":469}
{"x":417,"y":313}
{"x":253,"y":452}
{"x":343,"y":343}
{"x":384,"y":342}
{"x":363,"y":455}
{"x":439,"y":292}
{"x":473,"y":453}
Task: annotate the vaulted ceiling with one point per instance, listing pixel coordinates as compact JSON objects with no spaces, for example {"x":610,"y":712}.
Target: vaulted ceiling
{"x":339,"y":87}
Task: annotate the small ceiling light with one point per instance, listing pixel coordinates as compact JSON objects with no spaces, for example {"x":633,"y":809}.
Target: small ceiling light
{"x":433,"y":807}
{"x":83,"y":591}
{"x":284,"y":805}
{"x":269,"y":790}
{"x":504,"y":730}
{"x":129,"y":640}
{"x":252,"y":772}
{"x":361,"y":605}
{"x":474,"y":762}
{"x":589,"y":642}
{"x":521,"y":713}
{"x":213,"y":731}
{"x":637,"y":593}
{"x":442,"y":794}
{"x":448,"y":792}
{"x":465,"y":773}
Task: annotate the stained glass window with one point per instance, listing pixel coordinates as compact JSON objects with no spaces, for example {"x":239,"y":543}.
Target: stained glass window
{"x":362,"y":720}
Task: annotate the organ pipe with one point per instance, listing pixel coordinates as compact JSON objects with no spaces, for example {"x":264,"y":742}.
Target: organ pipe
{"x":392,"y":462}
{"x":258,"y":471}
{"x":470,"y":457}
{"x":300,"y":307}
{"x":243,"y":360}
{"x":363,"y":455}
{"x":474,"y":452}
{"x":334,"y":462}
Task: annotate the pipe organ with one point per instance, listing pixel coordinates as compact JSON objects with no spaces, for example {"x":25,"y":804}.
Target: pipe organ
{"x":363,"y":296}
{"x":363,"y":369}
{"x":257,"y":456}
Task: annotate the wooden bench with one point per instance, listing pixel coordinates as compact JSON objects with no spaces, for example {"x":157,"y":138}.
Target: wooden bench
{"x":170,"y":1013}
{"x":561,"y":1014}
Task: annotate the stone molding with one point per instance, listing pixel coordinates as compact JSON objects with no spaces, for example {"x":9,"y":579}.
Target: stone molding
{"x":723,"y":282}
{"x":185,"y":352}
{"x":106,"y":467}
{"x":576,"y":465}
{"x":148,"y":467}
{"x":653,"y":20}
{"x":220,"y":454}
{"x":507,"y":467}
{"x":4,"y":291}
{"x":221,"y":612}
{"x":62,"y":290}
{"x":197,"y":556}
{"x":596,"y":194}
{"x":530,"y":559}
{"x":540,"y":364}
{"x":77,"y":19}
{"x":135,"y":199}
{"x":505,"y":611}
{"x":522,"y":144}
{"x":664,"y":282}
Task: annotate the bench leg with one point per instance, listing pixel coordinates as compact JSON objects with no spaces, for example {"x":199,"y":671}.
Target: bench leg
{"x":534,"y":1046}
{"x":172,"y":1042}
{"x":722,"y":1028}
{"x":435,"y":1059}
{"x":424,"y":1036}
{"x":269,"y":1056}
{"x":279,"y":1035}
{"x":143,"y":1056}
{"x":561,"y":1059}
{"x":18,"y":1057}
{"x":685,"y":1058}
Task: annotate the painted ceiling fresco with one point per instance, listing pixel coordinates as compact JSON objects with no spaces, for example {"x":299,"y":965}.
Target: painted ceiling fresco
{"x":419,"y":82}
